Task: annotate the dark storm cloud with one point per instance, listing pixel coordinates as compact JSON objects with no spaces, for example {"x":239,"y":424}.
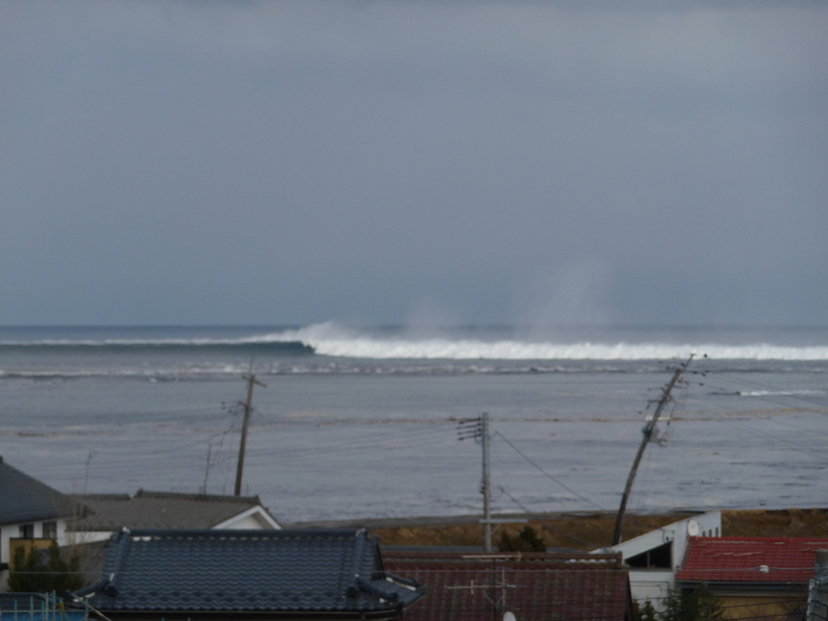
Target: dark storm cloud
{"x":177,"y":162}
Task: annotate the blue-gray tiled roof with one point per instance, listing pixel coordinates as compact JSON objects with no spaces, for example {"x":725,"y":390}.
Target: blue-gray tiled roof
{"x":25,"y":499}
{"x":335,"y":571}
{"x":159,"y":510}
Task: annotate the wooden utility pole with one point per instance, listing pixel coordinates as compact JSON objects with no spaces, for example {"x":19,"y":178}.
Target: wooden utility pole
{"x":478,"y":429}
{"x":648,"y":432}
{"x":487,"y":485}
{"x":248,"y":407}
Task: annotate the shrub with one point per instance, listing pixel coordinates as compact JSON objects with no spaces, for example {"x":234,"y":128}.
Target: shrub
{"x":35,"y":574}
{"x":527,"y":540}
{"x":698,"y":604}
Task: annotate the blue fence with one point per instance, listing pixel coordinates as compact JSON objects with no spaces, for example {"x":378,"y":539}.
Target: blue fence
{"x":37,"y":607}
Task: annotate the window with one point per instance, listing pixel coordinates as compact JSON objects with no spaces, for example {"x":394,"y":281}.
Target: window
{"x":657,"y":558}
{"x":50,"y":530}
{"x":27,"y":531}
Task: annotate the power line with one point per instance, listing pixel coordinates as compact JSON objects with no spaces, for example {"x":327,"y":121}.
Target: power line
{"x":540,"y":519}
{"x":556,"y":480}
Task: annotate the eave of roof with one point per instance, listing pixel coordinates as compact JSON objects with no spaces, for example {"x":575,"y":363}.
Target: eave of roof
{"x":745,"y":585}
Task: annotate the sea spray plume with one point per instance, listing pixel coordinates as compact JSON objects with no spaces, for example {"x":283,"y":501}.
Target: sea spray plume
{"x":572,"y":295}
{"x":426,"y":314}
{"x":332,"y":340}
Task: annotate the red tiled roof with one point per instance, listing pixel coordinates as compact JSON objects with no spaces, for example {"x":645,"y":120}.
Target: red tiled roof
{"x":535,"y":587}
{"x":750,"y":559}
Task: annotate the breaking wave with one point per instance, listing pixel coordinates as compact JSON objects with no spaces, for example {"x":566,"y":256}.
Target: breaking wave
{"x":330,"y":340}
{"x":779,"y":393}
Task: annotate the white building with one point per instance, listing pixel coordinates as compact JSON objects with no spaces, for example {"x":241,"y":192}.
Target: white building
{"x":654,"y":557}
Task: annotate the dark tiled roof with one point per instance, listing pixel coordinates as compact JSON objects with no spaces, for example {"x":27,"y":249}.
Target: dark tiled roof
{"x":159,"y":510}
{"x":241,"y":571}
{"x":25,"y":499}
{"x":750,"y":559}
{"x":535,"y":587}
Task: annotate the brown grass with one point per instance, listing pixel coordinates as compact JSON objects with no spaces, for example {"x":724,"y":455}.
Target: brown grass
{"x":594,"y":531}
{"x":782,"y":523}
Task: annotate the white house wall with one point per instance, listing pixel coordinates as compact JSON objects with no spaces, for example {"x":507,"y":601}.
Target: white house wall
{"x":709,"y":525}
{"x":254,"y":518}
{"x":6,"y":533}
{"x":653,"y":584}
{"x":79,"y":537}
{"x":246,"y":523}
{"x":12,"y":531}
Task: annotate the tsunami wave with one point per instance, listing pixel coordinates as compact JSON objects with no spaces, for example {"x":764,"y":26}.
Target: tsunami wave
{"x":328,"y":339}
{"x":271,"y":345}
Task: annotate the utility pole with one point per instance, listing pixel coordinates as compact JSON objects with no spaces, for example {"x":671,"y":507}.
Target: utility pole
{"x":487,"y":486}
{"x":248,"y":407}
{"x":478,"y":428}
{"x":648,"y":432}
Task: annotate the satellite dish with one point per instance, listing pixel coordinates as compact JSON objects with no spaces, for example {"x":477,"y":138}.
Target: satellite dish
{"x":509,"y":616}
{"x":692,"y":528}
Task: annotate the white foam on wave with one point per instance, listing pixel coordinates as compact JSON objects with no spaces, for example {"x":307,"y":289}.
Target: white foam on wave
{"x":780,"y":393}
{"x":331,"y":340}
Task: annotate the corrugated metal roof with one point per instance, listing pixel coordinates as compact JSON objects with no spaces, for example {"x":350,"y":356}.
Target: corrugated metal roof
{"x":750,"y":559}
{"x":535,"y":587}
{"x":243,"y":570}
{"x":159,"y":510}
{"x":25,"y":499}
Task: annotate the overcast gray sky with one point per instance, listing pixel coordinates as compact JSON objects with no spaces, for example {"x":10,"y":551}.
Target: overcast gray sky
{"x":188,"y":162}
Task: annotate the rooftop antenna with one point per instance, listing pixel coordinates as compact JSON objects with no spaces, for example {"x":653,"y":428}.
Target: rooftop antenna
{"x":647,"y":432}
{"x":248,"y":407}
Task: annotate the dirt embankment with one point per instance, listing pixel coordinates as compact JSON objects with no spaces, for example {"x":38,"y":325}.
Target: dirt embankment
{"x":587,"y":532}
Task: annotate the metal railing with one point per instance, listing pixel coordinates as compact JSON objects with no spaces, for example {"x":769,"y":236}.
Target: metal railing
{"x":37,"y":607}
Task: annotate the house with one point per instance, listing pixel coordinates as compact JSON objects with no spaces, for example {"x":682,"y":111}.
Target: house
{"x":32,"y":514}
{"x":654,"y":557}
{"x":102,"y":514}
{"x":529,"y":586}
{"x":285,"y":574}
{"x":753,"y":577}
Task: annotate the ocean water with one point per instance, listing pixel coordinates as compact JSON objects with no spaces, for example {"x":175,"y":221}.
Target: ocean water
{"x":362,"y":422}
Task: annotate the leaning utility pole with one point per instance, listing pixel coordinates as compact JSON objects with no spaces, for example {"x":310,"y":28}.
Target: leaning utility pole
{"x":478,"y":428}
{"x":648,"y":432}
{"x":248,"y":407}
